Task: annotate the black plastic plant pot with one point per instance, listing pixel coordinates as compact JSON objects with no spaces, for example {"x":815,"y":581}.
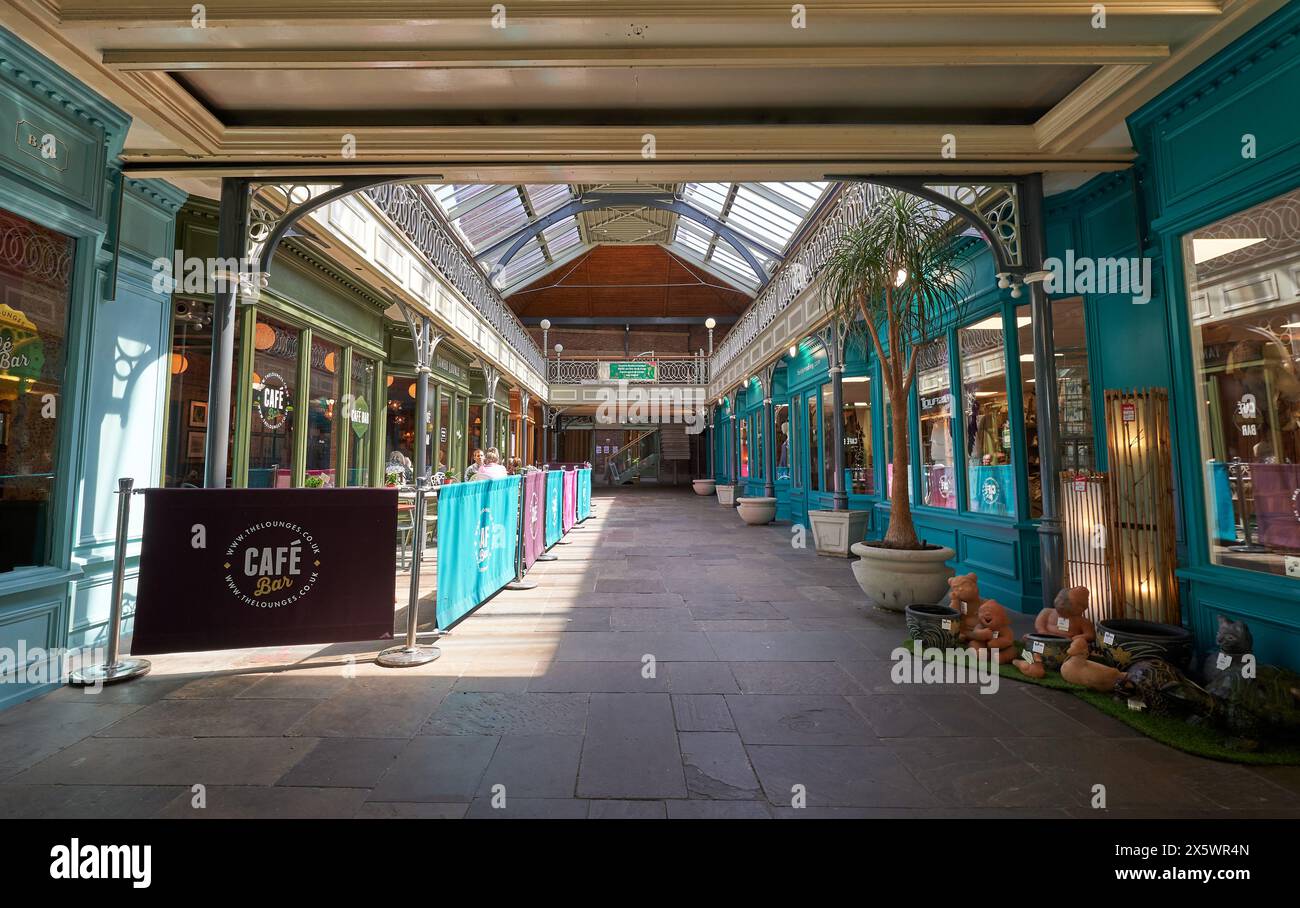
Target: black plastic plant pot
{"x":1047,"y":649}
{"x":1125,"y":640}
{"x":933,"y":625}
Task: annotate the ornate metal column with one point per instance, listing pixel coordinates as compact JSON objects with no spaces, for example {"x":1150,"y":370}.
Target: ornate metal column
{"x":832,"y":338}
{"x":525,"y":400}
{"x":1049,"y":430}
{"x":425,"y":339}
{"x":491,"y":377}
{"x":232,"y":245}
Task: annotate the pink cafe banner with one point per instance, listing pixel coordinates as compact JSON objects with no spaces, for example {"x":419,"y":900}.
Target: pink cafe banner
{"x":534,"y":528}
{"x":570,"y":499}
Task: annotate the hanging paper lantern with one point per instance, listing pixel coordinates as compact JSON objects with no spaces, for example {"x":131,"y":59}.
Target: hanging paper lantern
{"x":263,"y":336}
{"x":329,"y":361}
{"x":179,"y":363}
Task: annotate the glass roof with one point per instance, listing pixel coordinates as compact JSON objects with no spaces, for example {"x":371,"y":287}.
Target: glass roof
{"x":489,"y":218}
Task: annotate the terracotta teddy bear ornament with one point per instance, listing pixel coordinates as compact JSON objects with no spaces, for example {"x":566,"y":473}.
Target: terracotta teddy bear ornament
{"x":1065,"y":617}
{"x":984,"y":623}
{"x":993,"y":631}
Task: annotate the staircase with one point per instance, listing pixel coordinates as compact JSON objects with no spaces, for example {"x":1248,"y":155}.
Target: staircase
{"x":637,"y":461}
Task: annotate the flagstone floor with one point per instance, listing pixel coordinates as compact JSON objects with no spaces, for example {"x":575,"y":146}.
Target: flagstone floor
{"x":673,"y":662}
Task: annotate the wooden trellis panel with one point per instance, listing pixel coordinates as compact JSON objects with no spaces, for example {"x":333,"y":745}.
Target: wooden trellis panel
{"x":1086,"y":537}
{"x":1143,"y":555}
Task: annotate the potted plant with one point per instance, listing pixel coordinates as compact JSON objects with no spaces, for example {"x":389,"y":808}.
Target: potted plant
{"x":899,"y":272}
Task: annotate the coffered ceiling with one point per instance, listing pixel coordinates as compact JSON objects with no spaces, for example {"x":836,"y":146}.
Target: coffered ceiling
{"x":563,"y":91}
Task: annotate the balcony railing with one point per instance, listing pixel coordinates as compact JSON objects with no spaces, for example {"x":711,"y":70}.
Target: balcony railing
{"x":686,"y":370}
{"x":410,"y":213}
{"x":800,"y":269}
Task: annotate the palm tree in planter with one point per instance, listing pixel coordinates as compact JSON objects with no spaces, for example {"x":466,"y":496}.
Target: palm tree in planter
{"x":901,"y":273}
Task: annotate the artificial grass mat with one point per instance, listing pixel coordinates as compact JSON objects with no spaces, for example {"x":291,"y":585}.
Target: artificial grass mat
{"x":1198,"y":740}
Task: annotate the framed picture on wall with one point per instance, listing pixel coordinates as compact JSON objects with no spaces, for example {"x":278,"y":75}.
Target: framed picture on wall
{"x":196,"y":445}
{"x":199,"y":414}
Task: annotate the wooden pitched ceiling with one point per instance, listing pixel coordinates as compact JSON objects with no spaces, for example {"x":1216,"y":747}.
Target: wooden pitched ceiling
{"x":619,"y":280}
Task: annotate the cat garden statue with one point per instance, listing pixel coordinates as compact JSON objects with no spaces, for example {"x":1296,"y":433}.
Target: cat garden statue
{"x":965,"y":598}
{"x":992,"y":631}
{"x":1253,"y":702}
{"x":1065,"y":617}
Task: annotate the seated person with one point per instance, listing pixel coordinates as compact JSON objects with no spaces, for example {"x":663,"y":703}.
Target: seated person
{"x":475,"y":464}
{"x":492,"y":468}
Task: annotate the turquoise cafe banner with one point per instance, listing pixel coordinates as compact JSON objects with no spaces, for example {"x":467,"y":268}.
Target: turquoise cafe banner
{"x":584,"y":494}
{"x":554,"y":506}
{"x":478,"y":531}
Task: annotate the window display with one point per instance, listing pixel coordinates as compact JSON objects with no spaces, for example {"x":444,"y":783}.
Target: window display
{"x":814,"y":447}
{"x":1241,"y":276}
{"x":1077,"y":449}
{"x":743,"y":429}
{"x":274,"y":387}
{"x":986,"y":419}
{"x":859,"y":473}
{"x":325,"y":383}
{"x":781,"y":420}
{"x":36,"y":280}
{"x":358,"y":420}
{"x":934,"y":398}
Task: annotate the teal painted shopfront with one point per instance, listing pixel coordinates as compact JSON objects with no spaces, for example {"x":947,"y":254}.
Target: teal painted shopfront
{"x":83,"y":340}
{"x":1213,"y":205}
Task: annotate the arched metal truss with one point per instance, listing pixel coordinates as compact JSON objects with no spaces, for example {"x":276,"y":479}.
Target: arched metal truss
{"x":595,"y":201}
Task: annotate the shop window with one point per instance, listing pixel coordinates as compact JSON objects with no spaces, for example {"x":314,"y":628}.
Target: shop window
{"x":859,"y":476}
{"x":456,"y":431}
{"x":743,"y":429}
{"x":400,"y":440}
{"x":828,"y":439}
{"x":781,"y":421}
{"x":1241,"y":275}
{"x":444,"y":464}
{"x":1078,"y":447}
{"x":189,"y":371}
{"x":274,"y":388}
{"x":986,"y":418}
{"x":934,"y":400}
{"x":759,"y":470}
{"x":813,"y":427}
{"x":359,"y":422}
{"x":36,"y":280}
{"x":325,"y":381}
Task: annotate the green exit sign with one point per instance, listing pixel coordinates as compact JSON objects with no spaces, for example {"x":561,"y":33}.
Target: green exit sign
{"x":632,"y":371}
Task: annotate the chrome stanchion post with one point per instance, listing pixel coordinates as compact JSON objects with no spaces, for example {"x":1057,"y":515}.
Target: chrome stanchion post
{"x":114,"y":668}
{"x":520,"y":583}
{"x":412,"y":653}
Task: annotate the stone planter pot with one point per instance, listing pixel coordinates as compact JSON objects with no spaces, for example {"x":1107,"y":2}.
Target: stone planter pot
{"x":934,"y":625}
{"x":897,"y":578}
{"x":726,"y":495}
{"x":1125,"y":640}
{"x":703,"y":486}
{"x":835,"y":531}
{"x":756,"y":511}
{"x":1047,"y":649}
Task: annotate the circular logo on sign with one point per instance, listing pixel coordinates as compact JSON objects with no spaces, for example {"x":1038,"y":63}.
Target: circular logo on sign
{"x":272,"y":564}
{"x":1295,"y":504}
{"x":532,"y":510}
{"x":271,"y":400}
{"x":485,"y":528}
{"x":945,"y":484}
{"x":990,"y":491}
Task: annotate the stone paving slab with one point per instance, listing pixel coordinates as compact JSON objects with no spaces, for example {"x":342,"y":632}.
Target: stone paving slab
{"x":673,"y":664}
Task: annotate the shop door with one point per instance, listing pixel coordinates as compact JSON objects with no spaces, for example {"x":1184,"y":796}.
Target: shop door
{"x":800,"y":455}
